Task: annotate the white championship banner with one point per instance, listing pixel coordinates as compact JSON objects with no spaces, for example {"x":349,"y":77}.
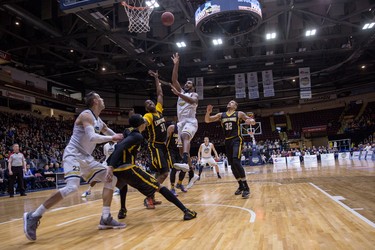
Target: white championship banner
{"x":240,"y":85}
{"x":267,"y":79}
{"x":355,"y":155}
{"x":279,"y":162}
{"x":293,"y":162}
{"x":305,"y":83}
{"x":327,"y":159}
{"x":199,"y":87}
{"x":310,"y":161}
{"x":252,"y":85}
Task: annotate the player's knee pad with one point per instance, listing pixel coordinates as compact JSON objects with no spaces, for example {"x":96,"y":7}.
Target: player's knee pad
{"x":111,"y":185}
{"x":72,"y":185}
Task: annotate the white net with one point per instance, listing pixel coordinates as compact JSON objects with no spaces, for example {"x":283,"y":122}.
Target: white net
{"x":139,"y":15}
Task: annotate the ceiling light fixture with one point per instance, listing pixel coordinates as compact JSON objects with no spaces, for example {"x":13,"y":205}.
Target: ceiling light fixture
{"x":139,"y":50}
{"x":310,"y":32}
{"x":368,"y":26}
{"x":270,"y":35}
{"x":152,"y":4}
{"x":181,"y":44}
{"x":217,"y":41}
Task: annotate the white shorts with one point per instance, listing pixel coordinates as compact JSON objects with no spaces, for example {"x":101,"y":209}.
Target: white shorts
{"x":210,"y":161}
{"x":78,"y":165}
{"x":187,"y":126}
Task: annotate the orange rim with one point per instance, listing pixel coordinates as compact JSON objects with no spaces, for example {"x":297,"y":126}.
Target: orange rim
{"x":123,"y":3}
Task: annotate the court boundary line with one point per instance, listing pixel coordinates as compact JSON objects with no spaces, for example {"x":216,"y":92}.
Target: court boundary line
{"x":251,"y":212}
{"x":360,"y":216}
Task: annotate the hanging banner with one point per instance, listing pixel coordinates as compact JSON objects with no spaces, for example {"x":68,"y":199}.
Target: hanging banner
{"x":199,"y":87}
{"x":252,"y":85}
{"x":240,"y":85}
{"x":267,"y":79}
{"x":305,"y":83}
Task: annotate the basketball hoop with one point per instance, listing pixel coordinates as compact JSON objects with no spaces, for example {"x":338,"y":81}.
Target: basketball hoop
{"x":250,"y":132}
{"x":138,"y":14}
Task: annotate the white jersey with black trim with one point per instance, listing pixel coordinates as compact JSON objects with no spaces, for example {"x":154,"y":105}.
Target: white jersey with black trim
{"x":186,"y":110}
{"x":206,"y":150}
{"x":80,"y":139}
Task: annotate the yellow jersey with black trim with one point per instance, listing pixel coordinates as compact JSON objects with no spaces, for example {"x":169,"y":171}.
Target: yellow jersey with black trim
{"x":156,"y":129}
{"x":231,"y":125}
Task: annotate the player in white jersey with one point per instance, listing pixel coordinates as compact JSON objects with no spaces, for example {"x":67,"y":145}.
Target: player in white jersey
{"x":108,"y":148}
{"x":205,"y":156}
{"x":78,"y":162}
{"x":187,"y":104}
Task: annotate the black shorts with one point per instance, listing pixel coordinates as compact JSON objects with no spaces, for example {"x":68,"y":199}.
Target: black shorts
{"x":233,"y":148}
{"x":138,"y":179}
{"x":160,"y":158}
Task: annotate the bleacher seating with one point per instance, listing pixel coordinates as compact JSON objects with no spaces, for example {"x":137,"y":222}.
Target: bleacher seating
{"x":329,"y":117}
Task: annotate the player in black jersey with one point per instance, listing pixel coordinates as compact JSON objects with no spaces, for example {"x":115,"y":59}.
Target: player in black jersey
{"x":122,"y":165}
{"x":175,"y":153}
{"x":157,"y":136}
{"x":230,"y":122}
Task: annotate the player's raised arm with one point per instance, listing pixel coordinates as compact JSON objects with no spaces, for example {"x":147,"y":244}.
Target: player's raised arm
{"x":159,"y":90}
{"x":211,"y":118}
{"x":176,"y":62}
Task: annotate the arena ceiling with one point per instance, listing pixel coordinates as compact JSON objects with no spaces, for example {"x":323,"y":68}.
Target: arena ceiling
{"x":72,"y":48}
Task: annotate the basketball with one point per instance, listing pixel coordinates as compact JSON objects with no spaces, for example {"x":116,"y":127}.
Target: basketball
{"x":167,"y":18}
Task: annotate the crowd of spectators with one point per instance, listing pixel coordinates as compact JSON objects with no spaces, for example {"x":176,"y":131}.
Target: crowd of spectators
{"x":42,"y":141}
{"x":365,"y":122}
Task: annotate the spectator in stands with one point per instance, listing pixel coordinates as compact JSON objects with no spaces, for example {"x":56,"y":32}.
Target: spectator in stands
{"x":3,"y":181}
{"x":29,"y":178}
{"x":46,"y":170}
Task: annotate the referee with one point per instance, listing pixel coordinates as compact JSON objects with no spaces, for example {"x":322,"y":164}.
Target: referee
{"x":16,"y":166}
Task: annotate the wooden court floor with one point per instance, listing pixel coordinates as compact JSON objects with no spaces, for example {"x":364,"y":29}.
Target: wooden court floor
{"x":330,"y":207}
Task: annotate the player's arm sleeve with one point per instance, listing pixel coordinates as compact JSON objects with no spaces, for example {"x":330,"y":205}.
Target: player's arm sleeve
{"x":148,"y":118}
{"x":159,"y":107}
{"x":96,"y":138}
{"x":108,"y":131}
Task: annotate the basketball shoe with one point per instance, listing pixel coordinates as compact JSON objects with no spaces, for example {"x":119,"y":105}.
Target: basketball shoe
{"x":180,"y":186}
{"x":30,"y":224}
{"x":189,"y":214}
{"x":122,"y":213}
{"x":110,"y":223}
